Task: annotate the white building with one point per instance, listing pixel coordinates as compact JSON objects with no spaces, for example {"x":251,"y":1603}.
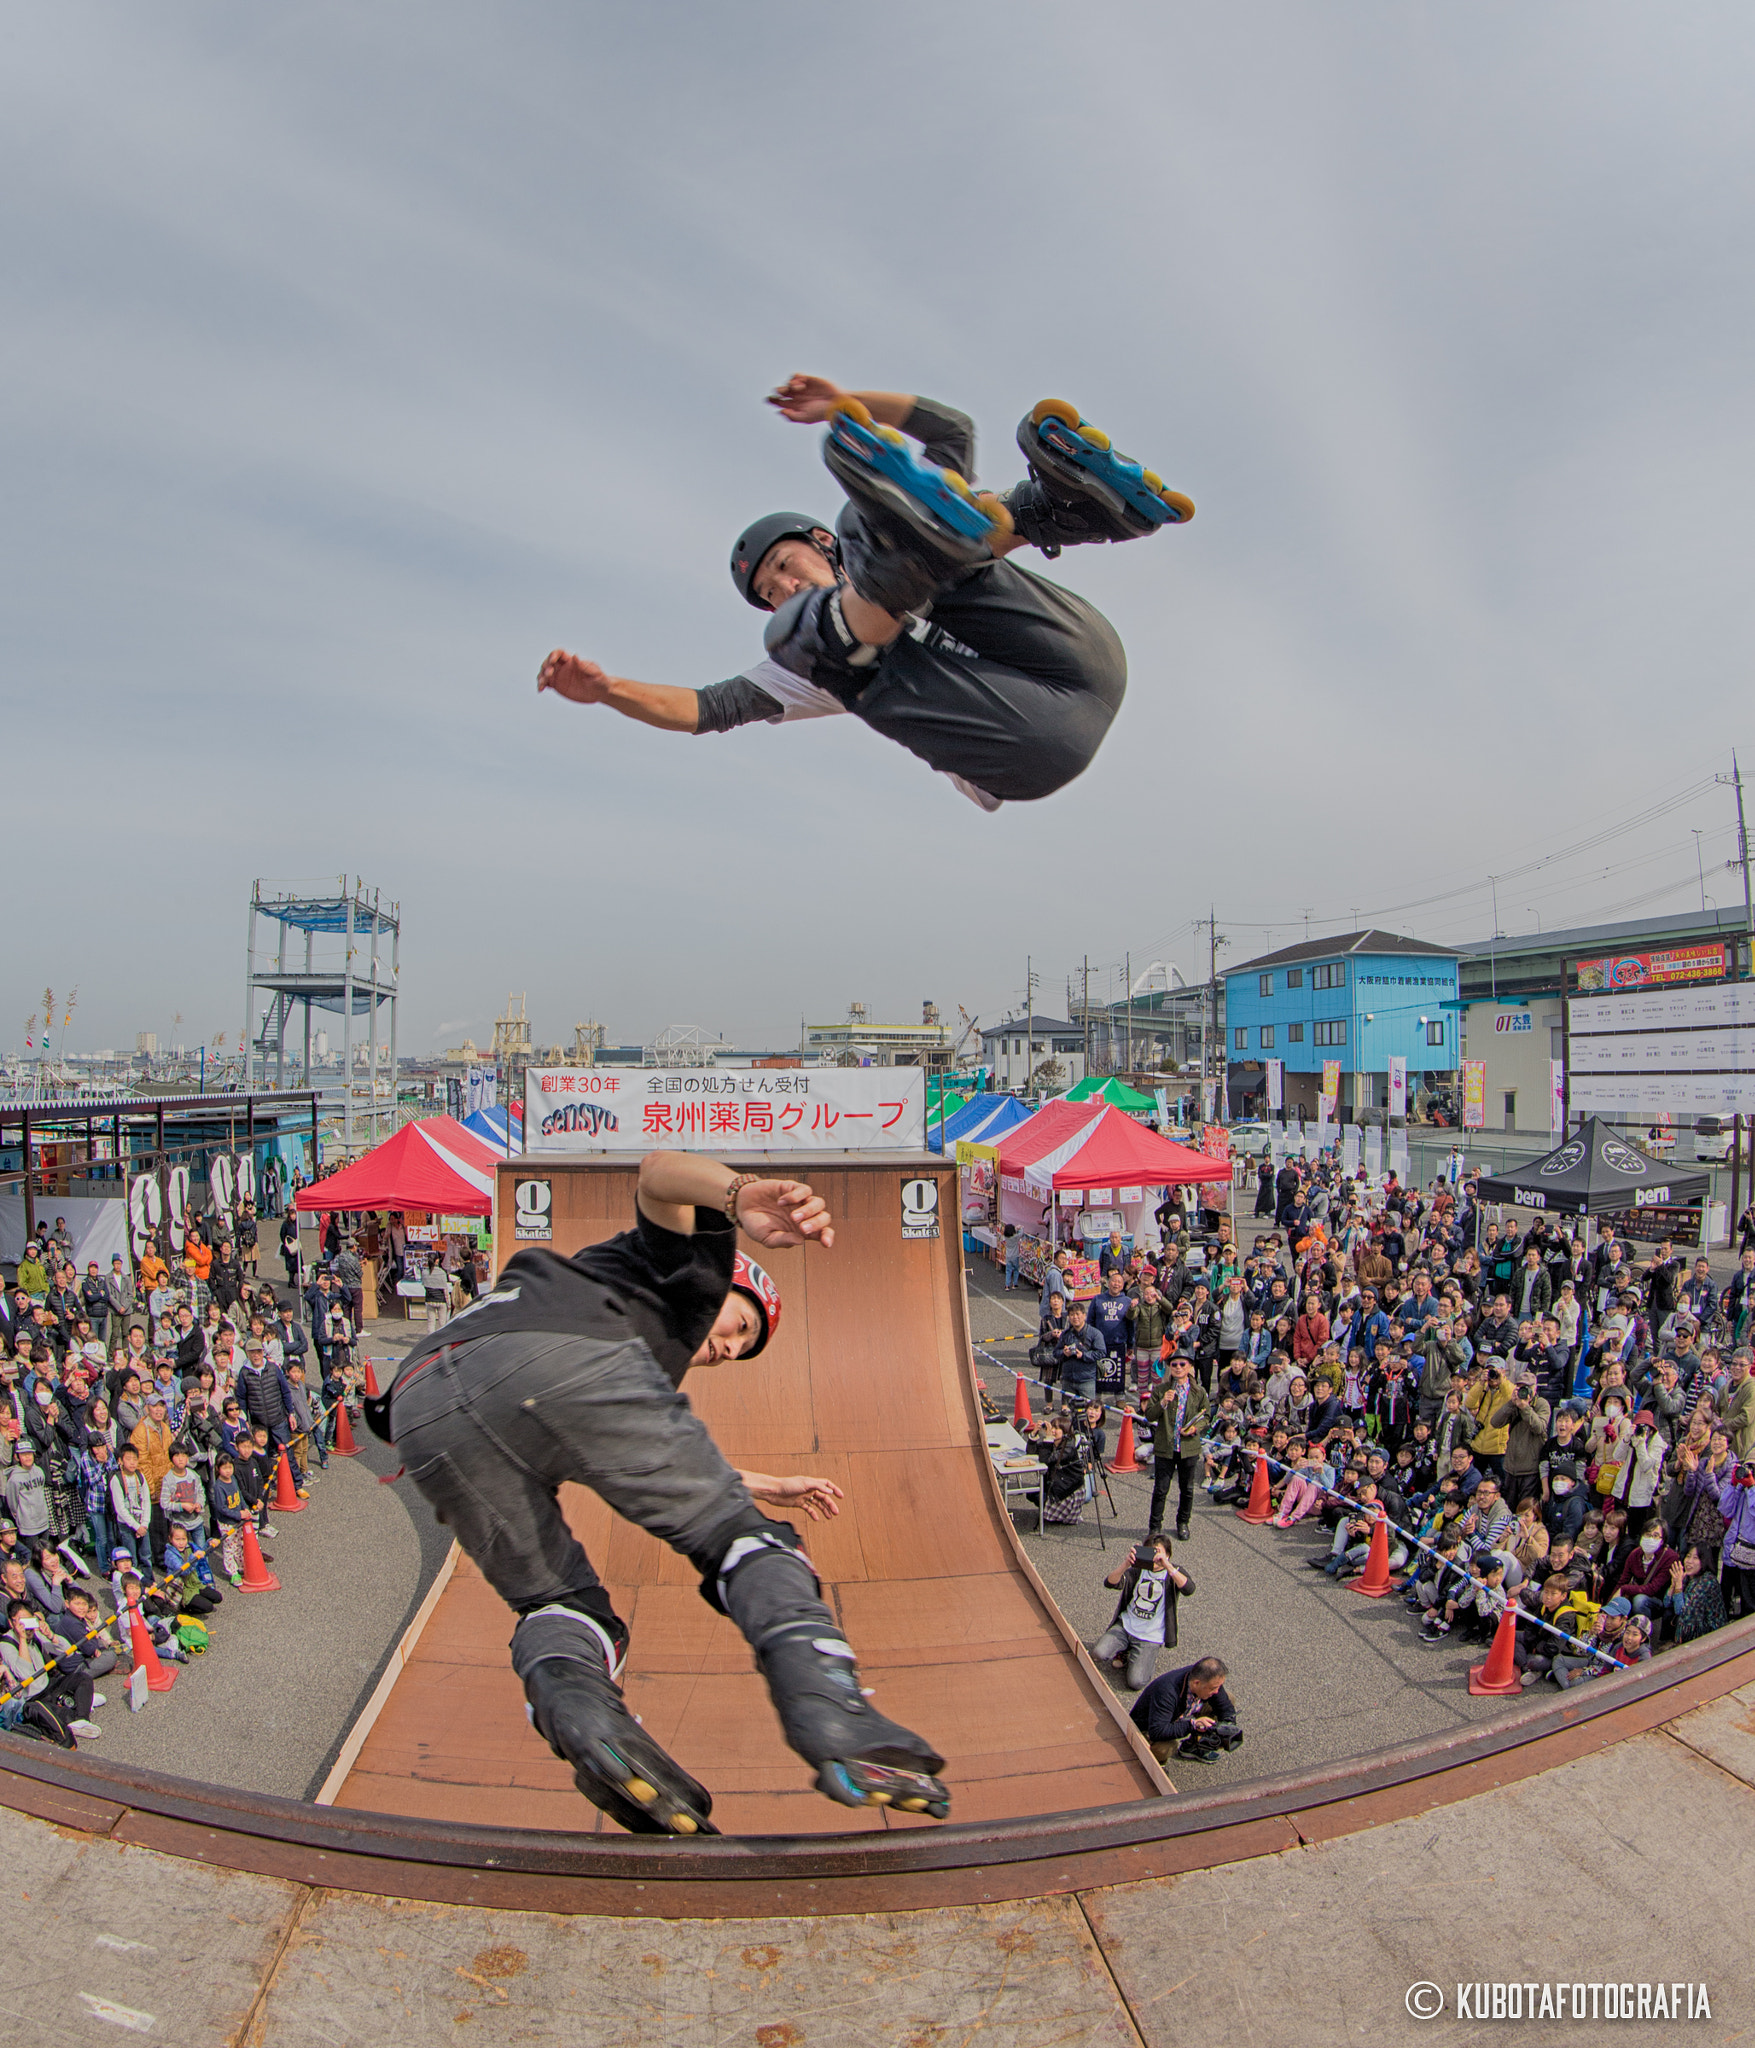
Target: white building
{"x":1017,"y":1048}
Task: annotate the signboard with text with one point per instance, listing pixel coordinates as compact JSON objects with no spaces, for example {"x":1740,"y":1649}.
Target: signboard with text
{"x":740,"y":1109}
{"x":1646,"y":970}
{"x":1474,"y":1080}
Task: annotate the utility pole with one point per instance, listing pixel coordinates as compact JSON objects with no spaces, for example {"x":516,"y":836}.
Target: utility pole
{"x":1085,"y":1013}
{"x":1743,"y":849}
{"x":1127,"y":969}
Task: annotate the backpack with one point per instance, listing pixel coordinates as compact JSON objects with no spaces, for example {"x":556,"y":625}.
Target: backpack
{"x":192,"y":1634}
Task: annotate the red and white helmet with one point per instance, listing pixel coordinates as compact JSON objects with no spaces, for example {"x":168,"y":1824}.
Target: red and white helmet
{"x":749,"y":1278}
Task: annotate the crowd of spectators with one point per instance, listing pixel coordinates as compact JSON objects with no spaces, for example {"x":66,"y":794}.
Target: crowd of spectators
{"x":144,"y":1415}
{"x":1562,"y":1430}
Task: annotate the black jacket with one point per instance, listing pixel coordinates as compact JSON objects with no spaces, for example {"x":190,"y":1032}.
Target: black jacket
{"x":1165,"y":1713}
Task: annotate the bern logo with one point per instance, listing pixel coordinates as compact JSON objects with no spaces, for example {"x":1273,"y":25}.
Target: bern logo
{"x":1622,"y":1158}
{"x":1563,"y":1161}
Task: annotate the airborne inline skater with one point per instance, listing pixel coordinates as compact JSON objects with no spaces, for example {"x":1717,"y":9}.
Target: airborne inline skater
{"x":909,"y":614}
{"x":571,"y":1370}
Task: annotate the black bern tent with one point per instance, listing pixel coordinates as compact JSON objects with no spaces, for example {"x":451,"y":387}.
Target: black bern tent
{"x":1596,"y":1173}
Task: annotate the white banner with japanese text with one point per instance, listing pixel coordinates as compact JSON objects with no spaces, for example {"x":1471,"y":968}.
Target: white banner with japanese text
{"x":735,"y":1109}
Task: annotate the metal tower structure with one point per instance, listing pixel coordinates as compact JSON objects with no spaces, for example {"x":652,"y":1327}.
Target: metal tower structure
{"x":355,"y":983}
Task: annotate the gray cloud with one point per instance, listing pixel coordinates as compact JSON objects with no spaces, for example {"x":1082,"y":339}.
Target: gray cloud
{"x":356,"y":359}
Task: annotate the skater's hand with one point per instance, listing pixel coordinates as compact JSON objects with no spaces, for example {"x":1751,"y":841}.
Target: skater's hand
{"x":783,"y":1212}
{"x":820,"y":1498}
{"x":805,"y":400}
{"x":583,"y":682}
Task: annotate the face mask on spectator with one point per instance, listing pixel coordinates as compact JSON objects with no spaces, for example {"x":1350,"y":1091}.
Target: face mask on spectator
{"x":1649,"y":1545}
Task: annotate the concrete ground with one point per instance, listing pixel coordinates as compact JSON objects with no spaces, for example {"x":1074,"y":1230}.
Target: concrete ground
{"x":1318,"y":1672}
{"x":1621,"y":1866}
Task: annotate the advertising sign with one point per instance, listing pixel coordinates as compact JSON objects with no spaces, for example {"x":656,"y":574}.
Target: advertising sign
{"x":1215,"y":1142}
{"x":1374,"y":1150}
{"x":1398,"y":1087}
{"x":1646,"y":970}
{"x":533,"y":1222}
{"x":1557,"y":1098}
{"x":1276,"y":1080}
{"x":745,"y":1109}
{"x":1508,"y":1023}
{"x":1474,"y":1079}
{"x":920,"y":1208}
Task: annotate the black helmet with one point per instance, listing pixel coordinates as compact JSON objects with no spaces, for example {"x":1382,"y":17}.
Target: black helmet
{"x":755,"y":541}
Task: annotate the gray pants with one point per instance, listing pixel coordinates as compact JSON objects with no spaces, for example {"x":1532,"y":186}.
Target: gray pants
{"x":490,"y":1430}
{"x":1142,"y":1658}
{"x":1013,"y":682}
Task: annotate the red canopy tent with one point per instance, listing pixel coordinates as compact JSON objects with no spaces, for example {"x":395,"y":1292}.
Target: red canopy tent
{"x":434,"y":1165}
{"x":1078,"y":1145}
{"x":1069,"y":1149}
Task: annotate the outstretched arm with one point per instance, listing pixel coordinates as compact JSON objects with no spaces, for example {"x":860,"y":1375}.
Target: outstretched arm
{"x":773,"y":1212}
{"x":809,"y":400}
{"x":820,"y":1498}
{"x":583,"y":682}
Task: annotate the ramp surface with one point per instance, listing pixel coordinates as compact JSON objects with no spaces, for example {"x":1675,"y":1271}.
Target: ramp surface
{"x":868,"y":1383}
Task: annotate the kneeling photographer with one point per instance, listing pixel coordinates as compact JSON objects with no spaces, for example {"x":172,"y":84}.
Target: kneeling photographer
{"x":1189,"y":1707}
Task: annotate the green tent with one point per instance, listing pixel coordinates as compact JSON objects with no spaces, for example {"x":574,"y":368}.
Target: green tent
{"x":1116,"y":1093}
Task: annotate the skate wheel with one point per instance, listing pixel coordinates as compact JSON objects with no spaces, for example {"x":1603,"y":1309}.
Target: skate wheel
{"x":912,"y":1805}
{"x":939,"y":1810}
{"x":1151,"y":479}
{"x":957,"y":483}
{"x":997,"y":510}
{"x":1181,"y":508}
{"x":637,"y":1788}
{"x":878,"y":1798}
{"x":1094,"y":437}
{"x":1054,"y":409}
{"x":894,"y":435}
{"x":683,"y":1824}
{"x":853,"y":409}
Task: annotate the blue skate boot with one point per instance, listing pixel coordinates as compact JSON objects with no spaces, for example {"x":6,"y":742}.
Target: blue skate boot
{"x":570,"y":1667}
{"x":861,"y":1758}
{"x":935,"y":509}
{"x":1081,"y":489}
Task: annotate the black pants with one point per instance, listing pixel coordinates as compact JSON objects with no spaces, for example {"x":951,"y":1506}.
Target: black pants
{"x":1517,"y":1487}
{"x":491,"y":1430}
{"x":1012,"y":682}
{"x":1184,"y":1472}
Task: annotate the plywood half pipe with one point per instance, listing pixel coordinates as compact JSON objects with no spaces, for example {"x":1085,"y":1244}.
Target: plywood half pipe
{"x":868,"y":1383}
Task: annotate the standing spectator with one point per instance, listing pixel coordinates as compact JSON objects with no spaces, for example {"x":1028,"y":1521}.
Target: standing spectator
{"x":249,"y":1237}
{"x":27,"y":1495}
{"x":289,"y":1246}
{"x":350,"y":1277}
{"x":118,"y":1302}
{"x":303,"y":1426}
{"x":1144,"y":1620}
{"x":1175,"y":1414}
{"x":1524,"y":1415}
{"x":266,"y":1395}
{"x":131,"y":1508}
{"x":97,"y":1468}
{"x":1738,"y":1412}
{"x":1082,"y":1351}
{"x":1736,"y":1504}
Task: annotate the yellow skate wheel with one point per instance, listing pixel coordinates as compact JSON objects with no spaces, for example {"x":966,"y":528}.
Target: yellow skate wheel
{"x":1182,"y":507}
{"x":957,"y":483}
{"x":1151,"y":479}
{"x":894,"y":435}
{"x":853,"y":409}
{"x":1054,"y":409}
{"x":637,"y":1788}
{"x":1094,"y":436}
{"x":877,"y":1798}
{"x":912,"y":1805}
{"x":683,"y":1824}
{"x":997,"y":510}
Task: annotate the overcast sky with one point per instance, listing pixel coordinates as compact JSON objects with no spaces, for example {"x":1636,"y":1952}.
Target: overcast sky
{"x":355,"y":357}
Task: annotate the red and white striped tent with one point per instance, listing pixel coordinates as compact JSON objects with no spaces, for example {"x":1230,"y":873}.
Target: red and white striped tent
{"x":434,"y":1165}
{"x":1090,"y":1150}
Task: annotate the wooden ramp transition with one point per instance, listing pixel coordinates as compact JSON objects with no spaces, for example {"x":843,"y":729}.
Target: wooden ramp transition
{"x":869,"y":1383}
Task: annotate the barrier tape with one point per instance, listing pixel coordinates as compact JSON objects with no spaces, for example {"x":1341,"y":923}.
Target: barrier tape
{"x":1346,"y":1500}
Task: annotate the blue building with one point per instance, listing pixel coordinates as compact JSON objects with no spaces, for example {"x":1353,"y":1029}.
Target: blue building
{"x":1362,"y":998}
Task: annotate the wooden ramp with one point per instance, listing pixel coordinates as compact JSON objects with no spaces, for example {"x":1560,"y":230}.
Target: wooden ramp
{"x":868,"y":1383}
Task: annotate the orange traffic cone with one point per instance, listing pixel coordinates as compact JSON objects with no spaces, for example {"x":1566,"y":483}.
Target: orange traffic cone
{"x":257,"y":1577}
{"x":1021,"y":1405}
{"x":1125,"y":1459}
{"x":1499,"y":1673}
{"x":286,"y":1495}
{"x":344,"y":1445}
{"x":1373,"y":1582}
{"x":158,"y":1677}
{"x":1260,"y":1508}
{"x":371,"y":1382}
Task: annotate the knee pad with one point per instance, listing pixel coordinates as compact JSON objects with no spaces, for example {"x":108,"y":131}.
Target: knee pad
{"x":744,"y":1547}
{"x":580,"y":1628}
